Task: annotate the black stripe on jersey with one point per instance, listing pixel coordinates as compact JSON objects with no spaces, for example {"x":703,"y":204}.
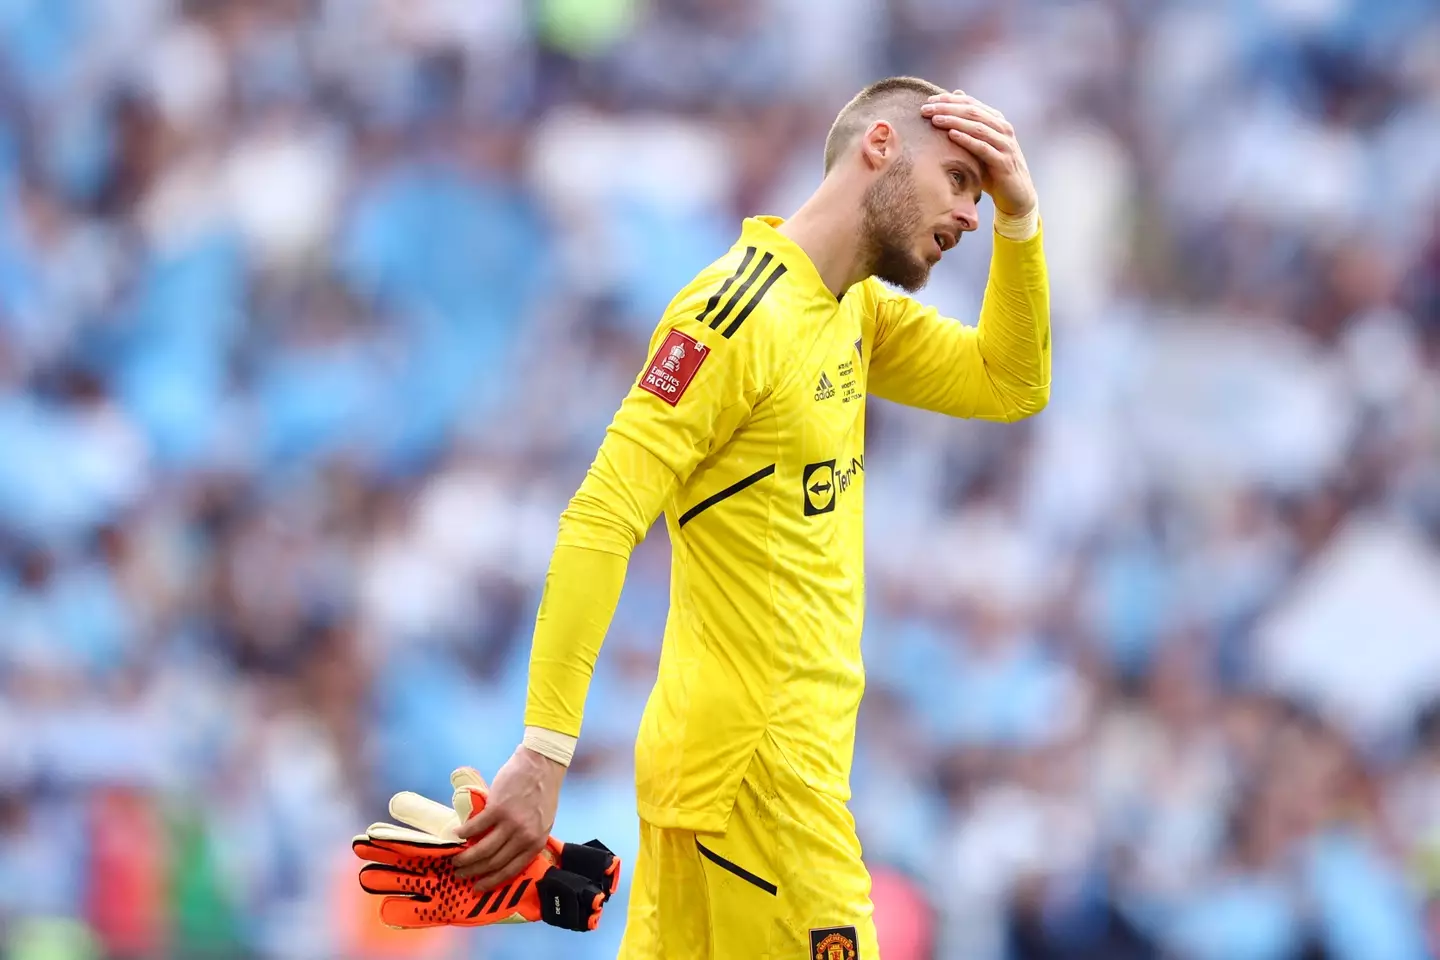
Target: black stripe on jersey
{"x":744,"y":287}
{"x":739,"y":271}
{"x":738,"y":870}
{"x":729,"y":491}
{"x":755,"y":300}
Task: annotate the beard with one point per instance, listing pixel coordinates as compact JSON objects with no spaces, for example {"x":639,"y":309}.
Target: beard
{"x":891,"y":220}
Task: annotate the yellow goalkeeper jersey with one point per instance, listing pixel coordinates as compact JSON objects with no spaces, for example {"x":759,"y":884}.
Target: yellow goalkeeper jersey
{"x":746,"y":428}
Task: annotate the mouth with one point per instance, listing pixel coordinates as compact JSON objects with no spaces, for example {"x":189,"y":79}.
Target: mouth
{"x":944,"y":241}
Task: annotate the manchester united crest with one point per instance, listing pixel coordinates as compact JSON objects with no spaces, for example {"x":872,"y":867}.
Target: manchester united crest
{"x":833,"y":943}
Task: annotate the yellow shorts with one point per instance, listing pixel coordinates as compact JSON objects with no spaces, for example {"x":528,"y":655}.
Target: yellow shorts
{"x":784,"y":882}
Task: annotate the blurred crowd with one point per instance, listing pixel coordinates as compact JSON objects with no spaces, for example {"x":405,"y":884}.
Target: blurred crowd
{"x":313,"y":312}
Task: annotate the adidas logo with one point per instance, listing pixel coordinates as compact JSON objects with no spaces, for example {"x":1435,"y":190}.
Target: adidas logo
{"x":824,"y":390}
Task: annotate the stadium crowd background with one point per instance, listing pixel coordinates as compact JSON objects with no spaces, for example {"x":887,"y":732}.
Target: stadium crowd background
{"x":312,"y":314}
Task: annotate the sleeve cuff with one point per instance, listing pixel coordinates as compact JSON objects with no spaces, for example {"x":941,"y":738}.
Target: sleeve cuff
{"x":1018,"y":229}
{"x":548,"y":743}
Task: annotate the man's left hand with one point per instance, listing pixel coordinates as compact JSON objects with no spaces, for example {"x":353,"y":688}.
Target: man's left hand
{"x":513,"y":827}
{"x":989,"y":137}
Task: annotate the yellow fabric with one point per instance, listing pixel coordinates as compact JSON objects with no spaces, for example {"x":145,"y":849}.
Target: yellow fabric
{"x":572,"y":622}
{"x":767,"y":584}
{"x":999,"y":370}
{"x":802,"y":843}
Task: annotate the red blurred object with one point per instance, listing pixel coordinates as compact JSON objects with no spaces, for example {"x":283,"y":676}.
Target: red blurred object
{"x":126,"y":903}
{"x":904,"y":918}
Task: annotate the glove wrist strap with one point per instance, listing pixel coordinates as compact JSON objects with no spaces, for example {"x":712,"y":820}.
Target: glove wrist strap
{"x":568,"y":900}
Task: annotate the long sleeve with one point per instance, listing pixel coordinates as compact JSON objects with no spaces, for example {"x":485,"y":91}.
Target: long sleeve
{"x":998,"y":370}
{"x":607,"y":517}
{"x":696,"y":389}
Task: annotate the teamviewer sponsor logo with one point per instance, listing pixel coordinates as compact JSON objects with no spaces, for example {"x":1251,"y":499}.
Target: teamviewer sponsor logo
{"x":819,"y":480}
{"x":826,"y":481}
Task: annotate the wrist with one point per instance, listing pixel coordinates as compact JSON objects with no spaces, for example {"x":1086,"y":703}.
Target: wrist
{"x":550,"y":744}
{"x":1018,"y":227}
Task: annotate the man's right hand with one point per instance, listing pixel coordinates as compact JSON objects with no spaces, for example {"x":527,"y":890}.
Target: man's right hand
{"x":985,"y":133}
{"x":516,"y":821}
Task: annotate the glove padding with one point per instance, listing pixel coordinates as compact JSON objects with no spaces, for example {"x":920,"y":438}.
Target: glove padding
{"x":566,"y":885}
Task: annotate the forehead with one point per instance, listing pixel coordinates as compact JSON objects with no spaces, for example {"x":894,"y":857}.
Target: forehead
{"x":950,"y":153}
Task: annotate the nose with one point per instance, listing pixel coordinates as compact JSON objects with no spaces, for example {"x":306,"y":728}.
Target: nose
{"x":967,"y":215}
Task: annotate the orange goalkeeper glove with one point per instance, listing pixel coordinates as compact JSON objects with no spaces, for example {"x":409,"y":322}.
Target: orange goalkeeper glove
{"x":566,"y":885}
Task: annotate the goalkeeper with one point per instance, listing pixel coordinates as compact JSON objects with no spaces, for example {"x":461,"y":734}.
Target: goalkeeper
{"x":746,"y":429}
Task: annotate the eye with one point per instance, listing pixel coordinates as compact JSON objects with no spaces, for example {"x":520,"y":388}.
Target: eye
{"x":957,"y":178}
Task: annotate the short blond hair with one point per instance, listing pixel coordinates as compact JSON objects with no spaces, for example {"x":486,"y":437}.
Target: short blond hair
{"x":895,"y":99}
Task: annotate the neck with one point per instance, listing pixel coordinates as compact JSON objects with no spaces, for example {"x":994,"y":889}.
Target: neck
{"x":828,"y":228}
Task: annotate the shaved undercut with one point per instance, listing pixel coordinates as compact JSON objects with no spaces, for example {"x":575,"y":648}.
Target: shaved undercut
{"x":896,"y":100}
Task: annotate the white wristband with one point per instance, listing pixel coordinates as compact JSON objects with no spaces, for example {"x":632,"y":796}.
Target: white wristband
{"x":1018,"y":229}
{"x":557,"y":746}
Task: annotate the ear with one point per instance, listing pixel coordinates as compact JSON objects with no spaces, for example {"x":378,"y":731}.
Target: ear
{"x":879,"y":144}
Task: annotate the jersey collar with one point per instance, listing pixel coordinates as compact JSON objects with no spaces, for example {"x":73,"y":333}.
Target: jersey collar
{"x":760,"y":231}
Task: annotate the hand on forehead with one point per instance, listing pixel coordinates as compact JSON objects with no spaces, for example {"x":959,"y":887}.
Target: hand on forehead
{"x":952,"y":152}
{"x":941,"y":111}
{"x":983,"y":133}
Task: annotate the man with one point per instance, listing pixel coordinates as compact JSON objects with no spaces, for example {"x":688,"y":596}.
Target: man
{"x":746,"y":429}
